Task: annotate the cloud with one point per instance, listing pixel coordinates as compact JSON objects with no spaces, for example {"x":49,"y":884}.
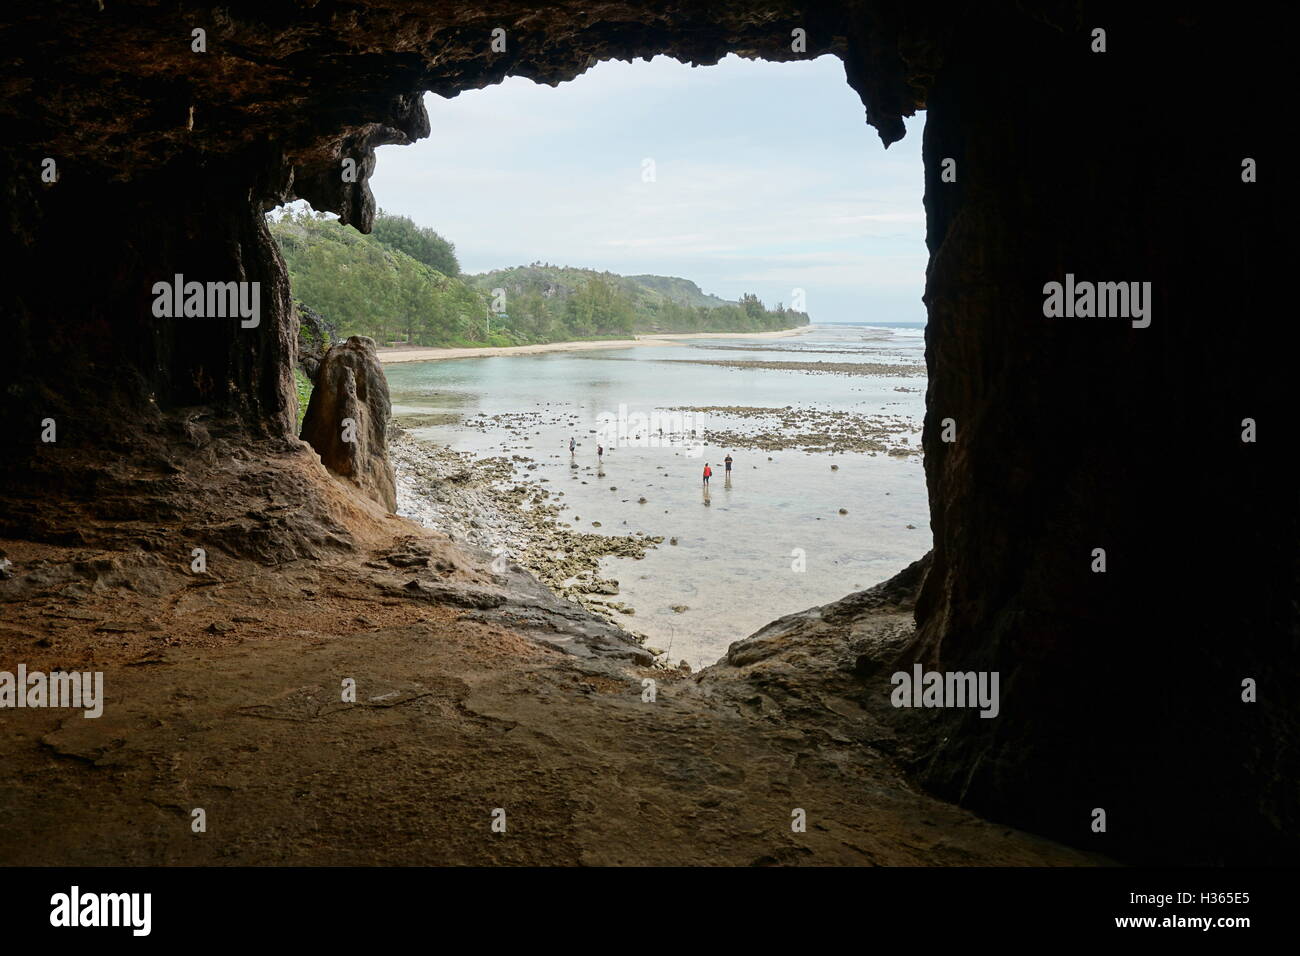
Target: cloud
{"x":766,"y":177}
{"x":880,"y":272}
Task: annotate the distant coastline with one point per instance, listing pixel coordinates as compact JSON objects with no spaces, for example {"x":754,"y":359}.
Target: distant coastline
{"x":391,"y":356}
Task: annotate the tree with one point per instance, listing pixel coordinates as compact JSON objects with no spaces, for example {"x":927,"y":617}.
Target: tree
{"x":422,"y":245}
{"x":414,"y":294}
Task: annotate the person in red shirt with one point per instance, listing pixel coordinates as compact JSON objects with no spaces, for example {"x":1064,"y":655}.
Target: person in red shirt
{"x":708,"y":473}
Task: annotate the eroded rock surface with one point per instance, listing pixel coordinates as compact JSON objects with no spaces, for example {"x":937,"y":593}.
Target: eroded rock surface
{"x":347,"y":418}
{"x":226,"y":694}
{"x":1122,"y":689}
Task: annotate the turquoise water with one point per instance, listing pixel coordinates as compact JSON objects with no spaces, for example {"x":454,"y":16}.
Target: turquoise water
{"x":768,"y":543}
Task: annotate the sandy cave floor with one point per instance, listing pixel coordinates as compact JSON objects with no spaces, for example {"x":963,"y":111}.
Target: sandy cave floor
{"x":224,"y":694}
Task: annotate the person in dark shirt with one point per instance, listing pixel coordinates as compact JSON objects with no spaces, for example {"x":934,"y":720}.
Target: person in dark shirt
{"x":727,"y":461}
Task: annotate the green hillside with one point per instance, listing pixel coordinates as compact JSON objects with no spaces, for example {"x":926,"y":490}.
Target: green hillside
{"x":681,"y":291}
{"x":402,"y":284}
{"x":540,"y":295}
{"x":364,"y":287}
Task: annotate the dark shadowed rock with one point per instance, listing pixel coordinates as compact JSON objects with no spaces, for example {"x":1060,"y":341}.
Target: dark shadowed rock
{"x":347,"y":418}
{"x":316,"y":334}
{"x":897,"y":594}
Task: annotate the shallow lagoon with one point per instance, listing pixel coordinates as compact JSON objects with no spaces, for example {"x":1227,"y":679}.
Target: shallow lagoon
{"x":735,"y":564}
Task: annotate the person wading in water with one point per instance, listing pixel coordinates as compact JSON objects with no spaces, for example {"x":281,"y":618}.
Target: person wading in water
{"x":708,"y":473}
{"x":727,"y":462}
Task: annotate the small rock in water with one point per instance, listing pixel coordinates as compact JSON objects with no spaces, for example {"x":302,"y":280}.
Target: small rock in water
{"x":678,"y":608}
{"x":671,"y":540}
{"x":912,"y":527}
{"x":835,"y":467}
{"x":844,"y":511}
{"x":595,"y":524}
{"x":640,"y":501}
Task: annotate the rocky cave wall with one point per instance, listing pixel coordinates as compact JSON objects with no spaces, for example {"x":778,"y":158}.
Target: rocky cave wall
{"x":1120,"y":690}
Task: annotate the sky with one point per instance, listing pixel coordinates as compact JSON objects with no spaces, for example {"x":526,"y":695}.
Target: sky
{"x":747,"y":176}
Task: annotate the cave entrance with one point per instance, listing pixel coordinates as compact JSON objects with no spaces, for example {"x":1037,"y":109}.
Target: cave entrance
{"x":1046,"y":439}
{"x":653,"y":199}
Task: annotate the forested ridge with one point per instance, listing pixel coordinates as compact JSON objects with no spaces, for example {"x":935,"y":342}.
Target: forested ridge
{"x":402,"y":284}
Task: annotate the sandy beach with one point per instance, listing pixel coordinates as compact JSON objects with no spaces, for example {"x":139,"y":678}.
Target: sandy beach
{"x":395,"y":355}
